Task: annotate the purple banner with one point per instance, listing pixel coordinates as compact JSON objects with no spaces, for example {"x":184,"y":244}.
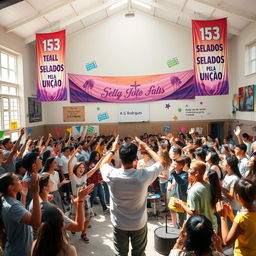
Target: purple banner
{"x":173,"y":86}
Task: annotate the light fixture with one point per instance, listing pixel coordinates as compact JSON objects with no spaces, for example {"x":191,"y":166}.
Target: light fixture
{"x":142,"y":4}
{"x":115,"y":5}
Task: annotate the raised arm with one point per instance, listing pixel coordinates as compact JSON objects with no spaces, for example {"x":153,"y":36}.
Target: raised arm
{"x":78,"y":224}
{"x":153,"y":154}
{"x":24,"y":147}
{"x":67,"y":144}
{"x":95,"y":168}
{"x":70,"y":167}
{"x":34,"y":218}
{"x":15,"y":148}
{"x":107,"y":159}
{"x":237,"y":132}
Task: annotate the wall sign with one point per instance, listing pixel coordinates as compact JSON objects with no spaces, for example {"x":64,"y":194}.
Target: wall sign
{"x":74,"y":114}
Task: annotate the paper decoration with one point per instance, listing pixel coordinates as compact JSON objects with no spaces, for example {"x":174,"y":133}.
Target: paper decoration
{"x":13,"y":125}
{"x":103,"y":116}
{"x":90,"y":129}
{"x":172,"y":62}
{"x":69,"y":130}
{"x":98,"y":108}
{"x":199,"y":130}
{"x":58,"y":132}
{"x":1,"y":134}
{"x":78,"y":128}
{"x":186,"y":106}
{"x":167,"y":106}
{"x":175,"y":118}
{"x":201,"y":103}
{"x":29,"y":131}
{"x":179,"y":109}
{"x":183,"y":129}
{"x":91,"y":65}
{"x":167,"y":128}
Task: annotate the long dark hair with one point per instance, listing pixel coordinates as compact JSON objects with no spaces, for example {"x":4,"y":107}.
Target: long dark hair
{"x":46,"y":155}
{"x":252,"y":172}
{"x":233,"y":163}
{"x":48,"y":163}
{"x":199,"y":234}
{"x":92,"y":159}
{"x":43,"y":181}
{"x":215,"y":187}
{"x":50,"y":240}
{"x":5,"y":181}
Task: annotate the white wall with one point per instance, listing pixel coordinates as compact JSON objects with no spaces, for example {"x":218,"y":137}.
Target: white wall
{"x":130,"y":47}
{"x":27,"y":67}
{"x":238,"y":75}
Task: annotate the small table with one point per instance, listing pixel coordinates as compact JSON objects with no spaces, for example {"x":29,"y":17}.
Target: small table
{"x":154,"y":198}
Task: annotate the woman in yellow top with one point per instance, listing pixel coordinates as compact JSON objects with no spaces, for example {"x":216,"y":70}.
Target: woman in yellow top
{"x":243,"y":230}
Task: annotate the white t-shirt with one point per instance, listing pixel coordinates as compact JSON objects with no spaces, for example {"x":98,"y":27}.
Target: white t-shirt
{"x":55,"y":178}
{"x":143,"y":164}
{"x":77,"y":182}
{"x":242,"y":165}
{"x":249,"y":148}
{"x":228,"y":183}
{"x":65,"y":164}
{"x":166,"y":173}
{"x":128,"y":194}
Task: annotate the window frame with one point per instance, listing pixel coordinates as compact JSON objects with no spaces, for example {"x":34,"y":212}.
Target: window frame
{"x":10,"y":84}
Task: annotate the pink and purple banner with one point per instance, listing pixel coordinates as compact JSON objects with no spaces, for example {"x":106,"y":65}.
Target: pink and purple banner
{"x":178,"y":85}
{"x":51,"y":66}
{"x":210,"y":57}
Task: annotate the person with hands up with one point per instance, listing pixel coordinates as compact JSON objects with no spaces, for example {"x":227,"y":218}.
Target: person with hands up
{"x":243,"y":230}
{"x":197,"y":238}
{"x":128,"y":195}
{"x":15,"y":220}
{"x":78,"y":179}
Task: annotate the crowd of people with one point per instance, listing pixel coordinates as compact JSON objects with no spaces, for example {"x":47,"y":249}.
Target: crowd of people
{"x":211,"y":183}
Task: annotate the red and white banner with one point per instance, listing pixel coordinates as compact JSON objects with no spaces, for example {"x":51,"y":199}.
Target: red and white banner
{"x":210,"y":56}
{"x":51,"y":66}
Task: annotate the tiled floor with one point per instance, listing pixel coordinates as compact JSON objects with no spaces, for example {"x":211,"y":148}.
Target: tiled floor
{"x":100,"y":235}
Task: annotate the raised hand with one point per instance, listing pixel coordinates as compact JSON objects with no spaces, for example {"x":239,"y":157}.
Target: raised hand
{"x":24,"y":189}
{"x":237,"y":130}
{"x":34,"y":185}
{"x":192,"y":131}
{"x":65,"y":181}
{"x":142,"y":145}
{"x":22,"y":132}
{"x":115,"y":144}
{"x":84,"y":191}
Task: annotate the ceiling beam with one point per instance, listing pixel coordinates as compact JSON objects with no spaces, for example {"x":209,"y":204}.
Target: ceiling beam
{"x":86,"y":13}
{"x":228,"y":10}
{"x":64,"y":23}
{"x":170,"y":9}
{"x":39,"y":15}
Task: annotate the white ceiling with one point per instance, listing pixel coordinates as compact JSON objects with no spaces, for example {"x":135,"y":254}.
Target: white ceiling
{"x":32,"y":16}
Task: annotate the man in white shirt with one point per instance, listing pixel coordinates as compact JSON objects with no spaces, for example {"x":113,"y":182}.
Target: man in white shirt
{"x":128,"y":196}
{"x":240,"y":152}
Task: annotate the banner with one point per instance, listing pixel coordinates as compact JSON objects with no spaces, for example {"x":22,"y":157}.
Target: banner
{"x":210,"y":56}
{"x":131,"y":89}
{"x":51,"y":66}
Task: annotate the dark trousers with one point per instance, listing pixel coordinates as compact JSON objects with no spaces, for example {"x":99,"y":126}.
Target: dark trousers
{"x":138,"y":241}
